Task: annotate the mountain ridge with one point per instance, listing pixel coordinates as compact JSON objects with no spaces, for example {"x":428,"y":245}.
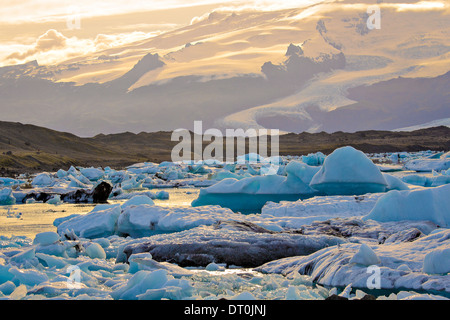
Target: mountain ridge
{"x":26,"y":148}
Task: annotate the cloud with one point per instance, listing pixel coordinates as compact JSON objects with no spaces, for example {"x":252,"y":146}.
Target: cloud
{"x":53,"y":47}
{"x":50,"y":40}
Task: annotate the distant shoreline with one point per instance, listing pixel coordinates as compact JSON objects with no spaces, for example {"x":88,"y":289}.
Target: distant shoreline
{"x":31,"y":149}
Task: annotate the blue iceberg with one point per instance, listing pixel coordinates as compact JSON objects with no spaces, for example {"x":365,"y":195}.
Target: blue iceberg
{"x":347,"y":171}
{"x":249,"y":195}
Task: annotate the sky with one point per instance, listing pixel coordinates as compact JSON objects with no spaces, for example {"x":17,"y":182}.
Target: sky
{"x":207,"y":49}
{"x":53,"y":30}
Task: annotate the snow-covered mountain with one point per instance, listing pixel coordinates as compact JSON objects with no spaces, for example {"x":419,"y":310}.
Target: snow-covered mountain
{"x":318,"y":68}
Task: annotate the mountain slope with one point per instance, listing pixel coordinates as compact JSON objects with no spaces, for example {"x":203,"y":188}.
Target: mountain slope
{"x":29,"y":148}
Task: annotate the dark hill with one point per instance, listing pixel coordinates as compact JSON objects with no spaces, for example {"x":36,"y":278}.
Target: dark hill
{"x":29,"y":148}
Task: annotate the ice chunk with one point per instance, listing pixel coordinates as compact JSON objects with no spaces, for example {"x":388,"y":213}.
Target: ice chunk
{"x":58,"y":221}
{"x":7,"y":288}
{"x":365,"y":256}
{"x":27,"y":276}
{"x":139,"y":283}
{"x":394,"y":183}
{"x":93,"y":174}
{"x":250,"y":194}
{"x":314,"y":159}
{"x":428,"y":204}
{"x":95,"y":250}
{"x":96,"y":224}
{"x":56,"y":199}
{"x":437,"y":262}
{"x":417,"y":180}
{"x":243,"y":296}
{"x":46,"y":238}
{"x":6,"y":197}
{"x":213,"y":267}
{"x":19,"y":293}
{"x":61,"y":173}
{"x":347,"y":171}
{"x":8,"y":182}
{"x":42,"y":179}
{"x":24,"y":256}
{"x":428,"y":165}
{"x":138,"y":200}
{"x":76,"y":183}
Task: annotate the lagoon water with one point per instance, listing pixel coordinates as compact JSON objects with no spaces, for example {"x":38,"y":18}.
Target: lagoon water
{"x":30,"y":219}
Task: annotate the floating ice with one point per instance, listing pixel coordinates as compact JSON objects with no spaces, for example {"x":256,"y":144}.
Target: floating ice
{"x":430,"y":164}
{"x":428,"y":204}
{"x":250,"y":194}
{"x":437,"y":261}
{"x":6,"y":197}
{"x":347,"y":171}
{"x":140,"y":283}
{"x":138,"y":200}
{"x":314,"y":159}
{"x":46,"y":238}
{"x":97,"y":224}
{"x":332,"y":266}
{"x":42,"y":179}
{"x":56,"y":199}
{"x":8,"y":182}
{"x":365,"y":256}
{"x":95,"y":250}
{"x":93,"y":174}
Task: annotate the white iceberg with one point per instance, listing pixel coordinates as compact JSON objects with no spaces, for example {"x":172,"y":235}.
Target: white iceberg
{"x":347,"y":171}
{"x":429,"y":164}
{"x":249,"y":195}
{"x":437,"y":262}
{"x":426,"y":204}
{"x":93,"y":174}
{"x":365,"y":256}
{"x":6,"y":197}
{"x":42,"y":179}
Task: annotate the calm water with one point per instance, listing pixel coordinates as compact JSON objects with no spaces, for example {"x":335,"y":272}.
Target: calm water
{"x":39,"y":217}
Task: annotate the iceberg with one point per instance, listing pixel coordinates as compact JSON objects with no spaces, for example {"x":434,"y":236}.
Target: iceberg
{"x":426,"y":204}
{"x":401,"y":265}
{"x":429,"y":164}
{"x":347,"y":171}
{"x":93,"y":174}
{"x":6,"y":197}
{"x":42,"y":179}
{"x":314,"y":159}
{"x":8,"y":182}
{"x":365,"y":256}
{"x":248,"y":195}
{"x":46,"y":238}
{"x":95,"y":251}
{"x":437,"y":262}
{"x":138,"y":200}
{"x":97,"y":224}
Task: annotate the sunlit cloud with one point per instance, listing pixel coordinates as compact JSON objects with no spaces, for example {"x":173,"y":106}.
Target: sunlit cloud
{"x":53,"y":46}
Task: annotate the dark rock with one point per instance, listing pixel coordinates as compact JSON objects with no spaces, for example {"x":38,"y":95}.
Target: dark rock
{"x":99,"y":194}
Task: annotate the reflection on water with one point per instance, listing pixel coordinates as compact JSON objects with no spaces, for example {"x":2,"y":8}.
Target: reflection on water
{"x":30,"y":219}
